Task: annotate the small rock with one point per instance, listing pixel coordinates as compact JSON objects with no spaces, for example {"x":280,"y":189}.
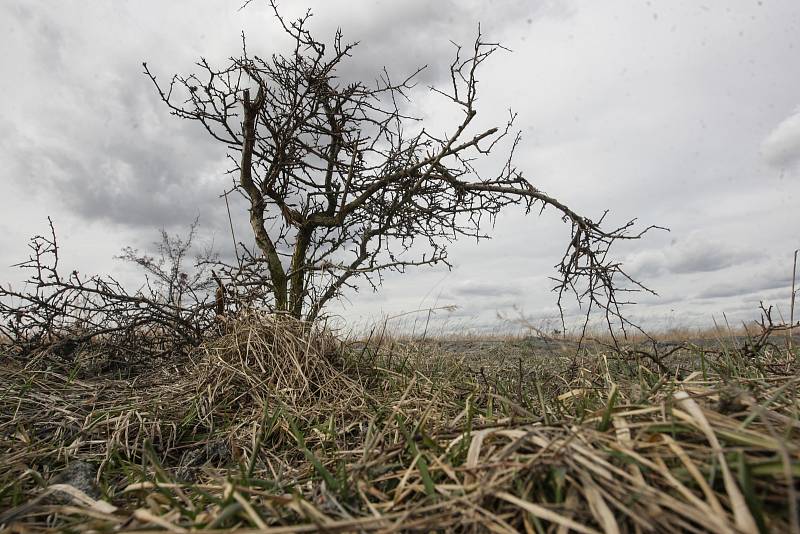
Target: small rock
{"x":80,"y":475}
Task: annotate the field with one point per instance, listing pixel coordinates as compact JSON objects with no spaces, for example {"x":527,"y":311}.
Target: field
{"x":272,"y":428}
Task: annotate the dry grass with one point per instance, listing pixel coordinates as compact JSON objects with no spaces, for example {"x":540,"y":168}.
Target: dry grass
{"x":272,"y":427}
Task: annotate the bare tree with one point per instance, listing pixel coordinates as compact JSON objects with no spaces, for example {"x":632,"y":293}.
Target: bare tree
{"x":343,"y":185}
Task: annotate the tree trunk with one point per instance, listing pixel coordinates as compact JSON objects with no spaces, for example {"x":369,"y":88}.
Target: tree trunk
{"x":297,"y":276}
{"x":257,"y":204}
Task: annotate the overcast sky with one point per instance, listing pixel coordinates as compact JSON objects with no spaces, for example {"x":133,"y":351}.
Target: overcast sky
{"x":681,"y":113}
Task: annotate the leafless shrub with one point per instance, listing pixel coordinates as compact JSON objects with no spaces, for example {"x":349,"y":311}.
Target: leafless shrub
{"x":59,"y":313}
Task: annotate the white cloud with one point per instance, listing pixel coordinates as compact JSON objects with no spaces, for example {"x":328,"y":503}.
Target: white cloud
{"x":781,"y":148}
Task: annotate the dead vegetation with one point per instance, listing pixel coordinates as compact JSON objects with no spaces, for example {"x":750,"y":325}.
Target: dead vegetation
{"x":274,"y":426}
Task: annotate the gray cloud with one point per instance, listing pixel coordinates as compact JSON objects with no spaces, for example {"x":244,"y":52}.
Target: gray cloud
{"x":479,"y":289}
{"x":723,"y":290}
{"x":92,"y":138}
{"x":694,"y":254}
{"x":131,"y":181}
{"x":706,"y":258}
{"x":759,"y":283}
